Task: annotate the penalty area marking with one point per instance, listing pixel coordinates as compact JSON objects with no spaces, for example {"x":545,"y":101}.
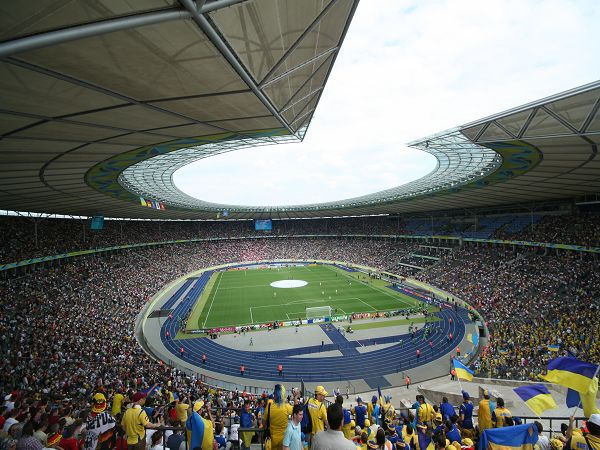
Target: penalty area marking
{"x":306,"y":301}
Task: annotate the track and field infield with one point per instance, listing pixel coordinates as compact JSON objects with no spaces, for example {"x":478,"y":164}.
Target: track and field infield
{"x":244,"y":297}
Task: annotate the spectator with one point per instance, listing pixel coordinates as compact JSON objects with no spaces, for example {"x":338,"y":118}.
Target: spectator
{"x":333,"y":438}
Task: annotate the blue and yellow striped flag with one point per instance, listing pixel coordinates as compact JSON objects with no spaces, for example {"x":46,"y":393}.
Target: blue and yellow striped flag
{"x":578,"y":376}
{"x":462,"y":371}
{"x":572,"y":373}
{"x":537,"y":397}
{"x":509,"y":438}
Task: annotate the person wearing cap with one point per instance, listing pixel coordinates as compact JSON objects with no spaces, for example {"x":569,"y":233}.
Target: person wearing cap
{"x":374,"y":410}
{"x":135,"y":421}
{"x":201,"y":429}
{"x":100,"y":426}
{"x":390,"y":430}
{"x":466,"y":416}
{"x":317,"y":411}
{"x":438,"y":423}
{"x":54,"y":440}
{"x":371,"y":408}
{"x":577,"y":440}
{"x":387,"y":410}
{"x":500,"y":414}
{"x":484,"y":414}
{"x":360,"y":412}
{"x":333,"y":438}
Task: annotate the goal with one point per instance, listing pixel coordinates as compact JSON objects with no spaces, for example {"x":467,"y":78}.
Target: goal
{"x":318,"y":312}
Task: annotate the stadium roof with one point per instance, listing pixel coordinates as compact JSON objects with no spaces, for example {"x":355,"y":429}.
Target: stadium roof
{"x":101,"y":102}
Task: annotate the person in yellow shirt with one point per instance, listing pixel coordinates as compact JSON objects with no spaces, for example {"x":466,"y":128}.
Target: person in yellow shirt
{"x":317,"y":411}
{"x":576,"y":440}
{"x":500,"y":414}
{"x":181,"y":408}
{"x":426,"y":413}
{"x":135,"y":421}
{"x":484,"y":415}
{"x":200,"y":430}
{"x":277,"y":412}
{"x":117,"y":402}
{"x":410,"y":436}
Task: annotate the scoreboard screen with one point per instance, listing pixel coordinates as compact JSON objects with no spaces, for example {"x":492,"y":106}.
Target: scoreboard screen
{"x":97,"y":223}
{"x":263,"y":225}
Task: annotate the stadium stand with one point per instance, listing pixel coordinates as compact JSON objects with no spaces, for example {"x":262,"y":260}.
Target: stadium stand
{"x":86,"y":308}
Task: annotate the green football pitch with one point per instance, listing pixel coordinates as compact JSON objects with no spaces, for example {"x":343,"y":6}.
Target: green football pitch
{"x":244,"y":297}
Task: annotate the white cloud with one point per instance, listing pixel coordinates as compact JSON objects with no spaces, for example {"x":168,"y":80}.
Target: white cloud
{"x":407,"y":70}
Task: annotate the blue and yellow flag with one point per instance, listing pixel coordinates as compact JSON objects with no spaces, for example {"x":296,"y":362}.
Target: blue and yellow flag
{"x":154,"y":389}
{"x":554,"y":347}
{"x":462,"y":371}
{"x":509,"y":438}
{"x":537,"y":397}
{"x":573,"y":398}
{"x":585,"y":401}
{"x":572,"y":373}
{"x":577,"y":376}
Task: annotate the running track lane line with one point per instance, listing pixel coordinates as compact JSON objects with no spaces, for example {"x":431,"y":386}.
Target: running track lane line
{"x":213,"y":299}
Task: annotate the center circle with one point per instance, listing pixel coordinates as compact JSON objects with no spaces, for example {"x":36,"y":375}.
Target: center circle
{"x":288,"y":284}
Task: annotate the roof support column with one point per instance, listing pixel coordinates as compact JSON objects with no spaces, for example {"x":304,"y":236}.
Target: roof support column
{"x":218,"y":42}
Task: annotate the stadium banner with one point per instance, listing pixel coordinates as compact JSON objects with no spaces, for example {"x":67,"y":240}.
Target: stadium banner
{"x":32,"y":261}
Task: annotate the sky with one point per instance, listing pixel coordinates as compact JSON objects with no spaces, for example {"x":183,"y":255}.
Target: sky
{"x":406,"y":70}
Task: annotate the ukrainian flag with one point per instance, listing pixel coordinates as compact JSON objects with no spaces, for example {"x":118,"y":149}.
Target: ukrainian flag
{"x":154,"y":389}
{"x":509,"y":438}
{"x":537,"y":397}
{"x":554,"y":348}
{"x":462,"y":371}
{"x":572,"y":373}
{"x":577,"y":376}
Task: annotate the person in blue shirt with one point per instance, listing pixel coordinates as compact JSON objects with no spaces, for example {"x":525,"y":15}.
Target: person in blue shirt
{"x":390,"y":431}
{"x":452,"y":432}
{"x":246,"y":421}
{"x":466,"y":416}
{"x":446,"y":409}
{"x":360,"y":412}
{"x":219,"y":438}
{"x":416,"y":405}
